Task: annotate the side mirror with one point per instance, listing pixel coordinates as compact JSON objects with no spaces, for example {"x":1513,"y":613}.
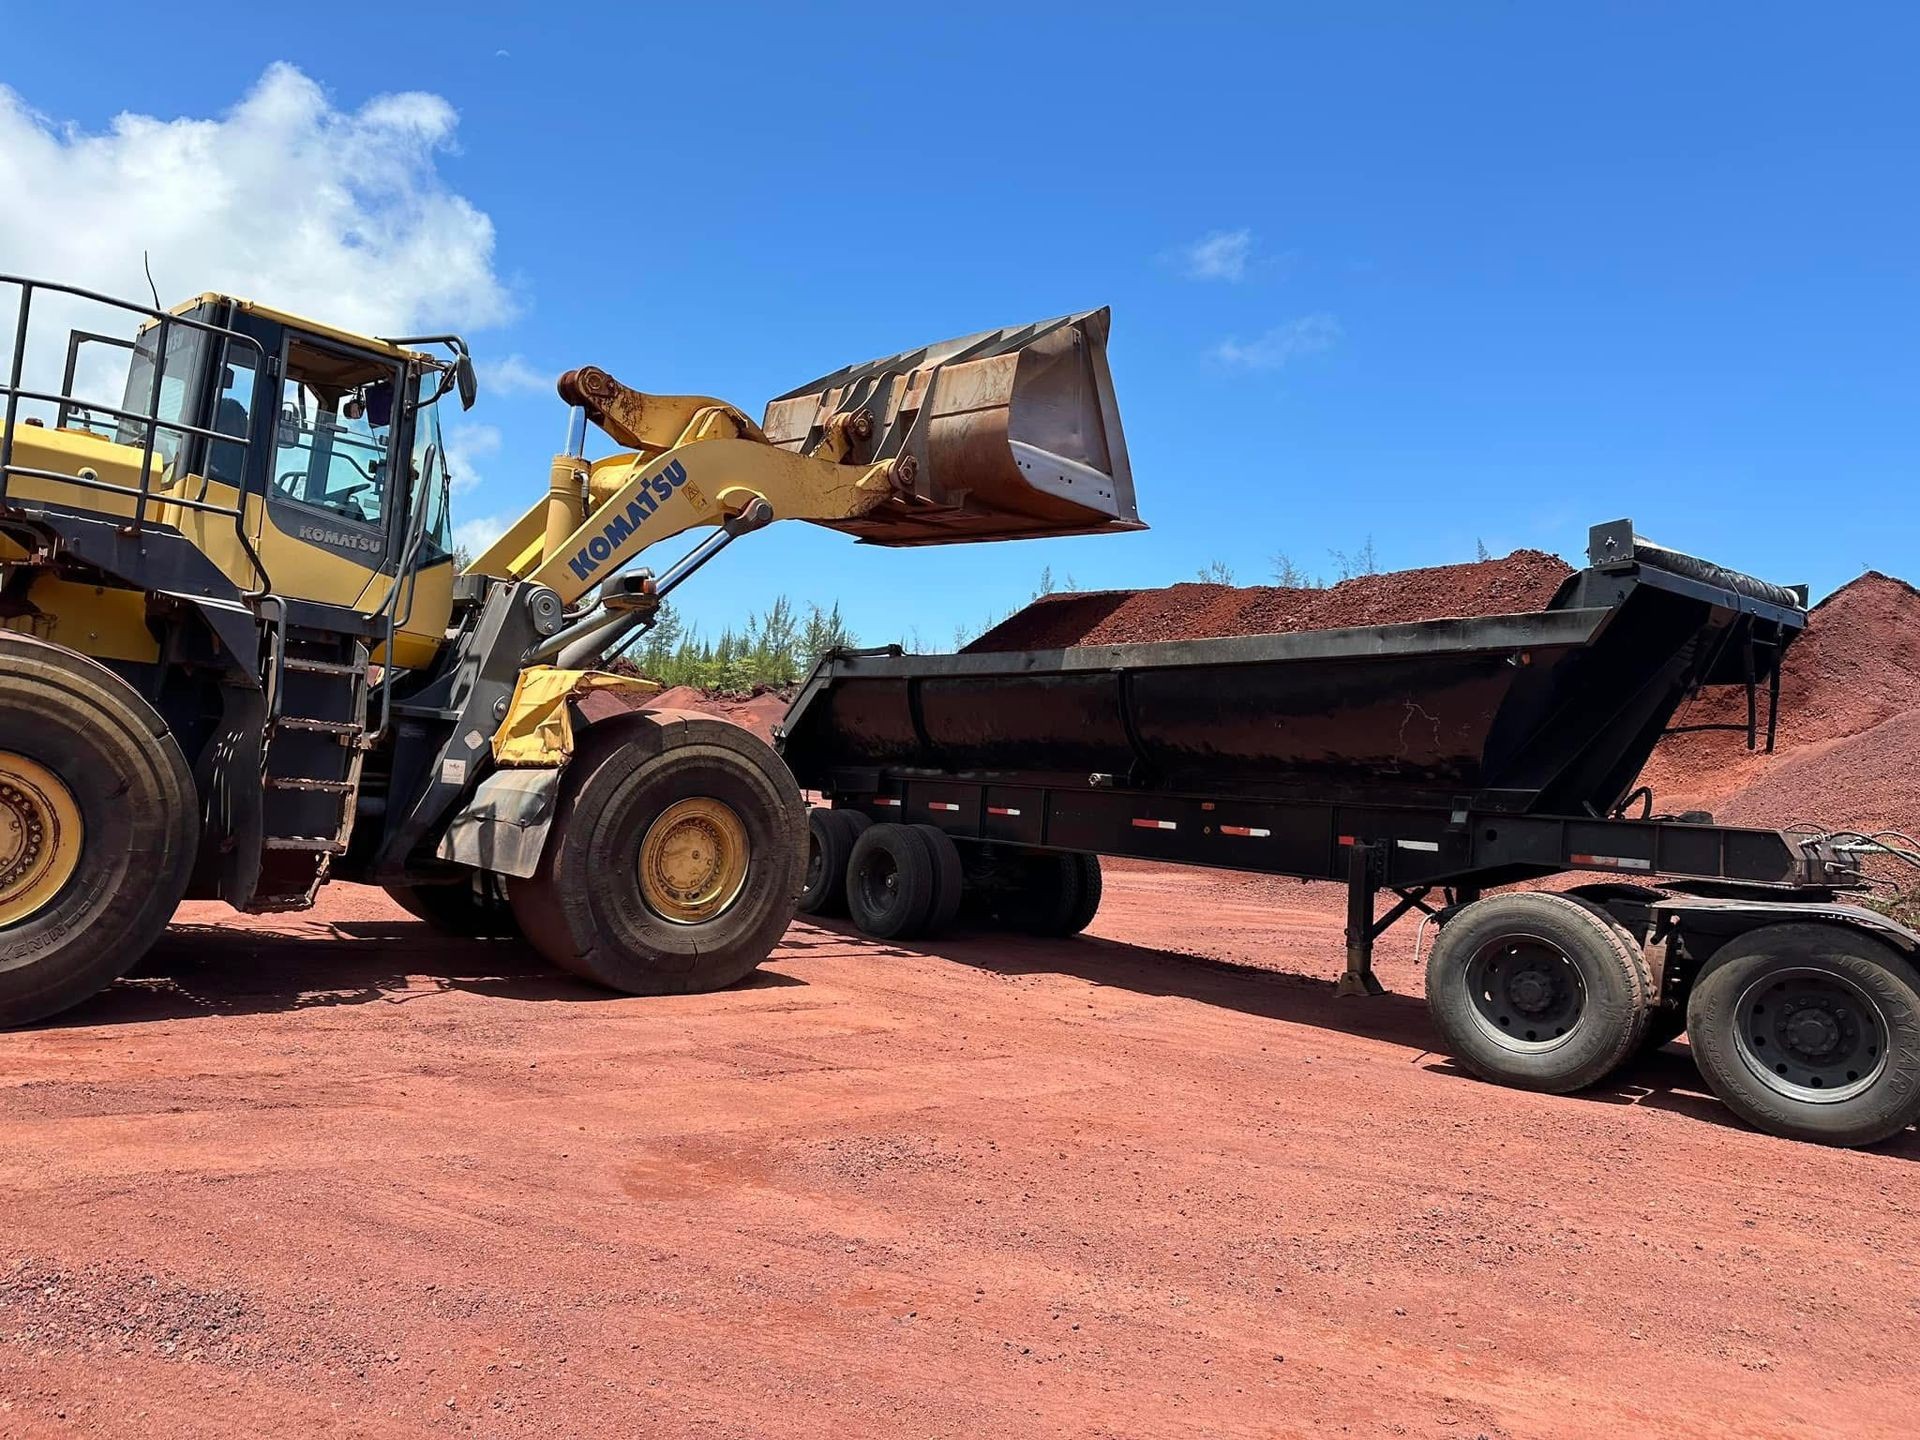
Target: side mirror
{"x":463,"y":377}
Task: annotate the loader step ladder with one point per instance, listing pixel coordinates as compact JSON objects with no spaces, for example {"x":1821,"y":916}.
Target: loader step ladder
{"x":311,"y":764}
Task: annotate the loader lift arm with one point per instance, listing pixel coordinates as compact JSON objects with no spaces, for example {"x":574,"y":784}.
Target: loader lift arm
{"x":691,"y":461}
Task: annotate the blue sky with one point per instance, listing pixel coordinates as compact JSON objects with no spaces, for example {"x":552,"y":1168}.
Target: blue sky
{"x":1477,"y":273}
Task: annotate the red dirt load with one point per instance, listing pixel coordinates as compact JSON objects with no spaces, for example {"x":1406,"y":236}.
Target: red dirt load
{"x":1848,"y":750}
{"x":1523,"y":581}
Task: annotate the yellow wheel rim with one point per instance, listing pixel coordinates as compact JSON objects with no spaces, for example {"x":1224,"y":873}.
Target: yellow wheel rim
{"x":693,"y":861}
{"x":40,"y":837}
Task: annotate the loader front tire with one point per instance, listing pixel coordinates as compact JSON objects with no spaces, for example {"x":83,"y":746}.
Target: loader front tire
{"x":675,"y":857}
{"x":98,"y":826}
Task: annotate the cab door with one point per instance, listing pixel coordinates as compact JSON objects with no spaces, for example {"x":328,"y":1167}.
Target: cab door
{"x":333,"y":502}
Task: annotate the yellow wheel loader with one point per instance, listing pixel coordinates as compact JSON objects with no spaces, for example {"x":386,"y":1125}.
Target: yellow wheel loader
{"x":236,"y":659}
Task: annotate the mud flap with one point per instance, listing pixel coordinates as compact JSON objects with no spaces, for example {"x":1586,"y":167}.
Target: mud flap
{"x":503,"y":828}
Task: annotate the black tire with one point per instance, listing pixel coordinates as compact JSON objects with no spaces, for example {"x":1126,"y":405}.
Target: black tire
{"x":1667,"y":1021}
{"x":139,"y":819}
{"x":473,"y":909}
{"x":830,"y":837}
{"x":1092,"y":888}
{"x":891,"y":882}
{"x":1835,"y":1009}
{"x":586,"y":908}
{"x":1536,"y":991}
{"x":1665,"y":1024}
{"x":1051,"y":895}
{"x":949,"y":878}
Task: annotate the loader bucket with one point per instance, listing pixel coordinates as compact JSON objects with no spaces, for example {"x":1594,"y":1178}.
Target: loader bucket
{"x":1005,"y":435}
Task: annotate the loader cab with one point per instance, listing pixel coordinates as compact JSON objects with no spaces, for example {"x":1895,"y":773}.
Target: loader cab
{"x":335,"y":437}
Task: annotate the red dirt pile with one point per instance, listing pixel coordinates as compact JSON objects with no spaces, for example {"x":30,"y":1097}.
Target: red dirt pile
{"x":758,"y":712}
{"x":1522,"y":581}
{"x":1848,"y":752}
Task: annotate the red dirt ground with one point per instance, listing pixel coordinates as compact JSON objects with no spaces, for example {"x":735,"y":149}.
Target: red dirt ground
{"x":333,"y":1174}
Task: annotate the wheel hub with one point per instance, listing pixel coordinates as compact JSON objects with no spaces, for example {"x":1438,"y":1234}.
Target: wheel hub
{"x":40,"y":837}
{"x":693,"y":861}
{"x":1526,"y":992}
{"x":1530,"y":991}
{"x":1811,"y":1035}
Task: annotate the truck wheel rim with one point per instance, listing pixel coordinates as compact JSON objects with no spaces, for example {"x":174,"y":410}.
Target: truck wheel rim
{"x":1527,"y":993}
{"x":693,"y":861}
{"x":816,"y":862}
{"x":40,"y":837}
{"x":880,"y":882}
{"x":1811,"y":1035}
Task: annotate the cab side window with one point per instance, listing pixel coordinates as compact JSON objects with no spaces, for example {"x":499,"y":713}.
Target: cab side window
{"x":232,"y":415}
{"x":334,"y":436}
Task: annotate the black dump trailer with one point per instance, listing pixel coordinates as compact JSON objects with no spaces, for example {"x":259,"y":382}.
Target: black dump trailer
{"x":1432,"y":761}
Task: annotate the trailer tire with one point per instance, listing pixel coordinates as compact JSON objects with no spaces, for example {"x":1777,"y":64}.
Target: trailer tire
{"x":1536,"y":991}
{"x":475,"y":908}
{"x":1810,"y":1031}
{"x":1092,"y":888}
{"x":949,"y":878}
{"x":891,"y":882}
{"x":830,"y":838}
{"x":99,"y":824}
{"x":676,"y":852}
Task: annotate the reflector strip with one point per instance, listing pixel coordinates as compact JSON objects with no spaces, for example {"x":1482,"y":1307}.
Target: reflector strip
{"x":1433,"y":845}
{"x":883,"y":800}
{"x":941,"y":805}
{"x":1246,"y":832}
{"x":1346,"y":840}
{"x":1611,"y":862}
{"x":1155,"y":825}
{"x":1001,"y":810}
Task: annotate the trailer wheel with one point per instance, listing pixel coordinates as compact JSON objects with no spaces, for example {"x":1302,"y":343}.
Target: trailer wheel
{"x":1536,"y":991}
{"x":475,"y":908}
{"x":676,"y":852}
{"x":99,"y":822}
{"x":949,"y":878}
{"x":1811,"y":1032}
{"x":1092,"y":888}
{"x":830,"y":838}
{"x":891,"y":882}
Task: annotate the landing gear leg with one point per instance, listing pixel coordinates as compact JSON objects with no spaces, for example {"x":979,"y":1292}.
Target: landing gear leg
{"x":1363,"y":883}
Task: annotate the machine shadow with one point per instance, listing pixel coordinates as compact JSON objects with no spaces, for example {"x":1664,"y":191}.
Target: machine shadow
{"x":1662,"y":1080}
{"x":201,"y":970}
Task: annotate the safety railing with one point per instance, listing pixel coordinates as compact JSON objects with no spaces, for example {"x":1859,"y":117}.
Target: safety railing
{"x":160,"y":326}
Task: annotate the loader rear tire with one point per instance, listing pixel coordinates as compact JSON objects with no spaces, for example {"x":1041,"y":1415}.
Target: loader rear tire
{"x":473,"y":909}
{"x":676,"y":854}
{"x":99,"y":822}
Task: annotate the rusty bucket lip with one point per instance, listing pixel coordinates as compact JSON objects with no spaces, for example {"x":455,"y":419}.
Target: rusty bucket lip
{"x":950,"y":508}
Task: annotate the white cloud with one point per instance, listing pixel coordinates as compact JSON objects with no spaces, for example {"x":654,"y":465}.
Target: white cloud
{"x":1309,"y":335}
{"x":474,"y":536}
{"x":338,"y":214}
{"x":1220,"y":255}
{"x":469,"y":448}
{"x":514,"y":375}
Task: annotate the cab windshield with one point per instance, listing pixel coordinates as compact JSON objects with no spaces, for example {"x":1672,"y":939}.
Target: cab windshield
{"x":430,"y":474}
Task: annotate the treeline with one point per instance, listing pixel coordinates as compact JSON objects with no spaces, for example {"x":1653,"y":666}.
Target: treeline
{"x":777,"y":647}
